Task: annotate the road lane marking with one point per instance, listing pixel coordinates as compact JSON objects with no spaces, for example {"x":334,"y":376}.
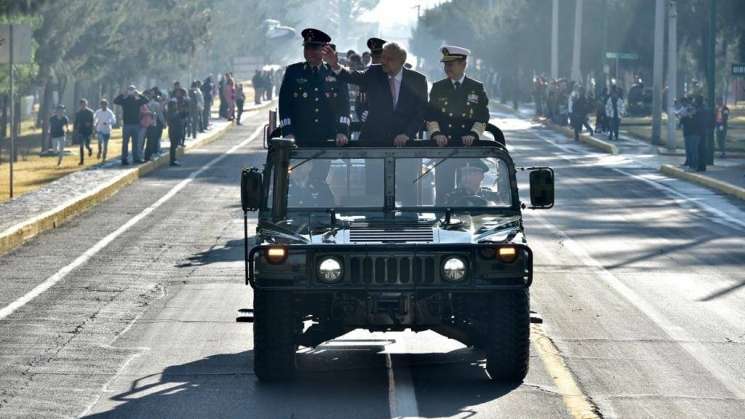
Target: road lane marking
{"x":678,"y":334}
{"x":579,"y":404}
{"x":88,"y":254}
{"x":657,"y":185}
{"x":402,"y":402}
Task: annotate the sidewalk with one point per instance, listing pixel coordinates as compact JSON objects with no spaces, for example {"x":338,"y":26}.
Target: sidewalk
{"x":726,"y":175}
{"x":46,"y":208}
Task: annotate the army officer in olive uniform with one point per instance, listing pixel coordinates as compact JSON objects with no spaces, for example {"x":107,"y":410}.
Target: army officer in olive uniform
{"x":457,"y":112}
{"x":313,"y":104}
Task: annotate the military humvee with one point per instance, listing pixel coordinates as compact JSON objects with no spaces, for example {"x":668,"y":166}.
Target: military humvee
{"x":389,"y":239}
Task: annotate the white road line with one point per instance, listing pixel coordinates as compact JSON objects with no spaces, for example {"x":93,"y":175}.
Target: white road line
{"x":688,"y":342}
{"x":85,"y":257}
{"x":401,"y":395}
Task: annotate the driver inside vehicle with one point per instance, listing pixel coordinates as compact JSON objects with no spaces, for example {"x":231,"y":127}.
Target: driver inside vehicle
{"x":469,"y":192}
{"x":306,"y":190}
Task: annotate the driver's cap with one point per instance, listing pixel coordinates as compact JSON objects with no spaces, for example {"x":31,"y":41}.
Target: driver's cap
{"x":475,"y":166}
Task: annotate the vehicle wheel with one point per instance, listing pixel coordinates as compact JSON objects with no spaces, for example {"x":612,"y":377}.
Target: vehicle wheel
{"x":508,"y":340}
{"x":274,"y":336}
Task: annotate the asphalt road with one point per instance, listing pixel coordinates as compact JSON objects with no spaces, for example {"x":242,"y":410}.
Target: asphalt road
{"x":639,"y":284}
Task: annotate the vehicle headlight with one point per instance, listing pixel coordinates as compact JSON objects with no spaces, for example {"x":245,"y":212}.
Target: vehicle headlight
{"x":454,"y":269}
{"x":329,"y":270}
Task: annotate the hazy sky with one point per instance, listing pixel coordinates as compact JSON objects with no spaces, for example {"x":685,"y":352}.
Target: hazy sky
{"x":398,"y":17}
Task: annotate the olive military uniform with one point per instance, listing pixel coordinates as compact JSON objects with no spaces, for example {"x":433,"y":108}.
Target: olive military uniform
{"x":313,"y":105}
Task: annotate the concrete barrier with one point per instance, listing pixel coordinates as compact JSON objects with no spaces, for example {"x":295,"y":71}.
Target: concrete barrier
{"x":703,"y":180}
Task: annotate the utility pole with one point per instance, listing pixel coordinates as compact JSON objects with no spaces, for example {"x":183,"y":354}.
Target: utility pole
{"x":672,"y":72}
{"x":711,"y":79}
{"x":12,"y":110}
{"x":577,"y":51}
{"x":555,"y":40}
{"x":657,"y":86}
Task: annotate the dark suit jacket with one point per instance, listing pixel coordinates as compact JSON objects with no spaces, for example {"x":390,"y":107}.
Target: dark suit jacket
{"x":383,"y":122}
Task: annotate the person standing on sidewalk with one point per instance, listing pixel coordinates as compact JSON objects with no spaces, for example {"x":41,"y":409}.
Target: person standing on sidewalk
{"x":194,"y":112}
{"x":615,"y":107}
{"x":578,"y":107}
{"x":686,"y":113}
{"x":103,"y":120}
{"x":131,"y":101}
{"x":229,"y":93}
{"x":721,"y":124}
{"x":177,"y":113}
{"x":208,"y":87}
{"x":240,"y":99}
{"x":258,"y":92}
{"x":58,"y":131}
{"x":702,"y":126}
{"x":83,"y":128}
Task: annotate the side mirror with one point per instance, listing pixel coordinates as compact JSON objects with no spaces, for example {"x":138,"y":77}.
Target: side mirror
{"x":252,"y":189}
{"x":542,"y":188}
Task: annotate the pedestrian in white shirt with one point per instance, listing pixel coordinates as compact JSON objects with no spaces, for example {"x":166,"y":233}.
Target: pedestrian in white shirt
{"x":104,"y":119}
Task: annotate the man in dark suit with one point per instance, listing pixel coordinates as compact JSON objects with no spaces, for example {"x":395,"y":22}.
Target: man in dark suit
{"x":396,"y":97}
{"x":313,"y":103}
{"x":457,"y":113}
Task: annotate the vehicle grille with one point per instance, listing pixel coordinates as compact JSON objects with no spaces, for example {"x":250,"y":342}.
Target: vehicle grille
{"x":392,"y":270}
{"x":399,"y":234}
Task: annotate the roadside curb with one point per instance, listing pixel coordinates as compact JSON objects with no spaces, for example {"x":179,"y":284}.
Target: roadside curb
{"x":584,"y":138}
{"x":719,"y":185}
{"x":21,"y":233}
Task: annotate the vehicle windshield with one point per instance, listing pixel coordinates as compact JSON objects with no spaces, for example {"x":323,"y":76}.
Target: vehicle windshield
{"x":453,"y":182}
{"x":335,"y":183}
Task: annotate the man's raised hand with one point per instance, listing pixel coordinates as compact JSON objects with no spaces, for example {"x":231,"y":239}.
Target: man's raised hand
{"x":329,"y":55}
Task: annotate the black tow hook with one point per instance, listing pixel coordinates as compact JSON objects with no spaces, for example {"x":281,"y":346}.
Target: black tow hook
{"x":248,"y":318}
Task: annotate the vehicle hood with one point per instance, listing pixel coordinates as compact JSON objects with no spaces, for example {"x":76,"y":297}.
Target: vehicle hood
{"x":422,"y":230}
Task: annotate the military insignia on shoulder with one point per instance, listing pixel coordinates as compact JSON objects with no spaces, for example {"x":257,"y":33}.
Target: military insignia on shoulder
{"x":330,"y":79}
{"x":301,"y":80}
{"x":473,"y":98}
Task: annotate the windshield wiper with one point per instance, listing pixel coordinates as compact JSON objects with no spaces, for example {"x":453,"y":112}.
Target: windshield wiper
{"x":315,"y":156}
{"x":282,"y":232}
{"x":433,"y":167}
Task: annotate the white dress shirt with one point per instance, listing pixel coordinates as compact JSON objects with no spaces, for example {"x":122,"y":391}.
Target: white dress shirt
{"x":397,"y":85}
{"x":459,"y":80}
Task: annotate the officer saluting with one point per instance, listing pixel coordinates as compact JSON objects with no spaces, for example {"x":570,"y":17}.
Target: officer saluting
{"x":375,"y":45}
{"x":458,"y":107}
{"x":313,"y":104}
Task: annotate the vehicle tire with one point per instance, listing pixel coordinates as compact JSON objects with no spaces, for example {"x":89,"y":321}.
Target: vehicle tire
{"x":274,"y":336}
{"x":508,"y":340}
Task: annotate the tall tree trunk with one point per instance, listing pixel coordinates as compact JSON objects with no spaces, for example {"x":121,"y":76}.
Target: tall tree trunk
{"x":44,"y":114}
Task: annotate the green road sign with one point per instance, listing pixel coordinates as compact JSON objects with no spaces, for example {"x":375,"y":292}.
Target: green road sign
{"x":621,"y":55}
{"x":738,"y":70}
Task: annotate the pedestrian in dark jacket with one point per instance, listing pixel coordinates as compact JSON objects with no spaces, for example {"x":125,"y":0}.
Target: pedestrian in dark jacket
{"x":83,"y":128}
{"x":578,"y":108}
{"x":178,"y":112}
{"x":208,"y":88}
{"x":131,"y":101}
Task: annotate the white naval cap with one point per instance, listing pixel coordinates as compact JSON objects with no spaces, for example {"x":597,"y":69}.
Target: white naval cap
{"x":453,"y":53}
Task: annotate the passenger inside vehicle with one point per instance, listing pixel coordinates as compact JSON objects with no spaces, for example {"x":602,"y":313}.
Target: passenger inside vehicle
{"x":306,"y":190}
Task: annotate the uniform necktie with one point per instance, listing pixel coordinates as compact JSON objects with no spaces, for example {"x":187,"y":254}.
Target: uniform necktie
{"x":457,"y":85}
